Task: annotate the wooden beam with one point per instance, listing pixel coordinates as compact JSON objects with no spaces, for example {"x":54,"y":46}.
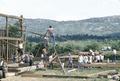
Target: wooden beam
{"x":9,"y":16}
{"x":21,"y":24}
{"x":117,"y":65}
{"x":10,"y":38}
{"x":11,"y":44}
{"x":102,"y":72}
{"x":54,"y":76}
{"x":7,"y":36}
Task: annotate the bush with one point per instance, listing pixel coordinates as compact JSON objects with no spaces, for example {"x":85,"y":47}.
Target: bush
{"x":93,"y":46}
{"x":37,"y":49}
{"x":116,"y":46}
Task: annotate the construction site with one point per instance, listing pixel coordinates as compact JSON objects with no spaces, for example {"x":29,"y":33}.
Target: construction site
{"x":41,"y":69}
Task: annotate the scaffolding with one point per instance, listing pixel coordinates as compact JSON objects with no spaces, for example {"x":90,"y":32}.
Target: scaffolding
{"x":7,"y":43}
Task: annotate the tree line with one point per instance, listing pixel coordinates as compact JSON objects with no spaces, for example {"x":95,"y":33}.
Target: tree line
{"x":63,"y":38}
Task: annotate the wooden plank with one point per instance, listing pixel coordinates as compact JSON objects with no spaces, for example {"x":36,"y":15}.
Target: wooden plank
{"x":9,"y":16}
{"x":21,"y":24}
{"x":71,"y":70}
{"x":53,"y":76}
{"x":10,"y":38}
{"x":25,"y":69}
{"x":13,"y":70}
{"x":53,"y":58}
{"x":34,"y":33}
{"x":61,"y":65}
{"x":102,"y":73}
{"x":110,"y":65}
{"x":7,"y":39}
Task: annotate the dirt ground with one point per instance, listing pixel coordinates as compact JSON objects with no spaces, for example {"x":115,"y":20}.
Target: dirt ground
{"x":19,"y":78}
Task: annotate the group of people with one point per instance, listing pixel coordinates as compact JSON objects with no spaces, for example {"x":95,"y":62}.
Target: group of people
{"x":49,"y":37}
{"x":21,"y":56}
{"x":86,"y":59}
{"x":16,"y":56}
{"x":89,"y":58}
{"x":27,"y":58}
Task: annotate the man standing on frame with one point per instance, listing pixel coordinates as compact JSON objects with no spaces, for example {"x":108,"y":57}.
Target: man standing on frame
{"x":50,"y":31}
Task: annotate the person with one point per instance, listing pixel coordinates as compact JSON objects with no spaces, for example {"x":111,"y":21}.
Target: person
{"x":50,"y":31}
{"x":31,"y":59}
{"x":114,"y":55}
{"x":90,"y":58}
{"x":92,"y":53}
{"x":3,"y":68}
{"x":80,"y":61}
{"x":85,"y":59}
{"x":97,"y":58}
{"x":46,"y":41}
{"x":101,"y":57}
{"x":42,"y":56}
{"x":20,"y":47}
{"x":26,"y":58}
{"x":50,"y":62}
{"x":70,"y":61}
{"x":45,"y":54}
{"x":14,"y":58}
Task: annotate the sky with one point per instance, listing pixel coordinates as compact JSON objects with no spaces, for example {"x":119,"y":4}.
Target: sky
{"x":61,"y":10}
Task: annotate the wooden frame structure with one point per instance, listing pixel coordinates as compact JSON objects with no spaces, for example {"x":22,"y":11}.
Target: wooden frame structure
{"x":6,"y":49}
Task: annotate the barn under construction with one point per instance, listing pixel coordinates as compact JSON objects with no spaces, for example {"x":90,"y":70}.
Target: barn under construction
{"x":8,"y":44}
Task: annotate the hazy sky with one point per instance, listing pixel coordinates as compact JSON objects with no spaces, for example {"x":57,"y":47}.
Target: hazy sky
{"x":60,"y":9}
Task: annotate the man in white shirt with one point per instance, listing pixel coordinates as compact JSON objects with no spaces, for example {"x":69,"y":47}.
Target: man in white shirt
{"x":97,"y":58}
{"x":101,"y":58}
{"x":20,"y":48}
{"x":46,"y":41}
{"x":90,"y":59}
{"x":114,"y":55}
{"x":86,"y":59}
{"x":80,"y":61}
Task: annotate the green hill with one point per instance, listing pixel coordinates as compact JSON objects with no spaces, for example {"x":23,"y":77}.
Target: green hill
{"x":93,"y":26}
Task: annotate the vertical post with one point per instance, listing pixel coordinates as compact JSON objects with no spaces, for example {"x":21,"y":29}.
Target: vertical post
{"x":24,"y":37}
{"x":1,"y":49}
{"x":7,"y":36}
{"x":22,"y":29}
{"x":17,"y":54}
{"x":21,"y":25}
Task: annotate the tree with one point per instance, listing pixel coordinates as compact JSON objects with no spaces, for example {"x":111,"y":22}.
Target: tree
{"x":14,"y":30}
{"x":93,"y":46}
{"x":28,"y":46}
{"x":116,"y":46}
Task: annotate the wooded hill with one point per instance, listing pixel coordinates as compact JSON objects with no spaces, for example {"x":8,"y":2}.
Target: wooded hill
{"x":93,"y":26}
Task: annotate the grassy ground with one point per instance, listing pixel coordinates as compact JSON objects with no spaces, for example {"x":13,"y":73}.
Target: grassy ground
{"x":76,"y":73}
{"x":85,"y":71}
{"x":18,"y":78}
{"x":79,"y":72}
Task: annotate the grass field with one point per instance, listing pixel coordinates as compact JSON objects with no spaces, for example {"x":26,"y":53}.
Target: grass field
{"x":82,"y":72}
{"x":18,"y":78}
{"x":57,"y":71}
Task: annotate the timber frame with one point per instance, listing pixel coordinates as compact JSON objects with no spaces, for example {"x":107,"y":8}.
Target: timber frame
{"x":8,"y":44}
